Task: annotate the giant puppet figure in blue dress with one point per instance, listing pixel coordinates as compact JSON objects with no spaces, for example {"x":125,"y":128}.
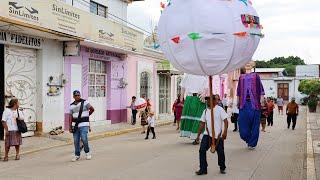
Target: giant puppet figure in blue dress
{"x":250,"y":92}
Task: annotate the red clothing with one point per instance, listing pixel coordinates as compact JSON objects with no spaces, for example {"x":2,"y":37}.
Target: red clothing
{"x":270,"y":106}
{"x":177,"y":108}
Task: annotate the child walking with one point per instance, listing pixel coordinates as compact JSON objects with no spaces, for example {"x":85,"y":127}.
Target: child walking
{"x":151,"y":125}
{"x":264,"y":114}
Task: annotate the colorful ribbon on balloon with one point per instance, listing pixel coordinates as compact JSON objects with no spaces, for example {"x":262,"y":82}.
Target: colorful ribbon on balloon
{"x":196,"y":36}
{"x":164,"y":5}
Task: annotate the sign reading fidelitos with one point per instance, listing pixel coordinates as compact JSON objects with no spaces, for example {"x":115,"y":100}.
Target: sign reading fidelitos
{"x":20,"y":40}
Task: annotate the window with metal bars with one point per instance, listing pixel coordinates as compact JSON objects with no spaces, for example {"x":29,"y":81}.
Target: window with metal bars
{"x":97,"y":78}
{"x":98,"y":9}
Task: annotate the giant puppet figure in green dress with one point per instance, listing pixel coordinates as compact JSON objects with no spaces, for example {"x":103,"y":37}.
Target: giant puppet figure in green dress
{"x":194,"y":88}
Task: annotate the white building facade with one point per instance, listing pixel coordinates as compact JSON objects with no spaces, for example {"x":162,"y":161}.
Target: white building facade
{"x":65,"y":45}
{"x":276,"y":84}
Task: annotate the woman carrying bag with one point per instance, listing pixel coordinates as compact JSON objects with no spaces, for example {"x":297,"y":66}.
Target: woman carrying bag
{"x":10,"y":117}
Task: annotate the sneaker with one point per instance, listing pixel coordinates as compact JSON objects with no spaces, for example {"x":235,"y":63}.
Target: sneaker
{"x":75,"y":158}
{"x":88,"y":156}
{"x":154,"y":138}
{"x":222,"y":171}
{"x":146,"y":138}
{"x":251,"y":148}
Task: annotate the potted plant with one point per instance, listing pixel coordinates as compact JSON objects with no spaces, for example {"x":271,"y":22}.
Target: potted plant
{"x":311,"y":88}
{"x":312,"y":104}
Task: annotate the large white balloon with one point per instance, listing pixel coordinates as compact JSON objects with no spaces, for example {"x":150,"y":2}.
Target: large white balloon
{"x":209,"y":37}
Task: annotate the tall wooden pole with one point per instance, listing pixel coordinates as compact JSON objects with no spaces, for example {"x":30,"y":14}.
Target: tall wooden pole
{"x":213,"y":145}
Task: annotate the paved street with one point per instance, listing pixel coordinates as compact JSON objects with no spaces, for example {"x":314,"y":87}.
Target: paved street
{"x":280,"y":155}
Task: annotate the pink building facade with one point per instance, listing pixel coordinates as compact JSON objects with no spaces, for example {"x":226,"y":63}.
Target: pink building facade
{"x":100,"y":76}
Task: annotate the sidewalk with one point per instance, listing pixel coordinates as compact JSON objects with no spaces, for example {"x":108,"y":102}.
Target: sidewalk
{"x":45,"y":142}
{"x":313,"y":145}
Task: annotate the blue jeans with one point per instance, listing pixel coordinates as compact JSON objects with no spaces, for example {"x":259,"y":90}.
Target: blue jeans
{"x":249,"y":124}
{"x":204,"y":147}
{"x":81,"y":134}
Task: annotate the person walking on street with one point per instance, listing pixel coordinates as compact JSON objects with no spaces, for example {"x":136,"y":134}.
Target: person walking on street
{"x":143,"y":117}
{"x":292,"y":112}
{"x":177,"y":109}
{"x":225,"y":102}
{"x":151,"y":125}
{"x":80,"y":110}
{"x":264,"y":114}
{"x":221,"y":129}
{"x":235,"y":115}
{"x":280,"y":104}
{"x":13,"y":137}
{"x":270,"y":112}
{"x":148,"y":109}
{"x":133,"y":110}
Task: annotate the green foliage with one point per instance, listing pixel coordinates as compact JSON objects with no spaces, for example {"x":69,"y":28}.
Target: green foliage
{"x":313,"y":102}
{"x":310,"y":87}
{"x":289,"y":63}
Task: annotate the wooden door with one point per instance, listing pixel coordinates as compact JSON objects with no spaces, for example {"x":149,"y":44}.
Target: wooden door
{"x":283,"y":91}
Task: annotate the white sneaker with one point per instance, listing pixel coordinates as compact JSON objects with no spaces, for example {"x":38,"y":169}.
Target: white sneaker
{"x":251,"y":148}
{"x":88,"y":156}
{"x":75,"y":158}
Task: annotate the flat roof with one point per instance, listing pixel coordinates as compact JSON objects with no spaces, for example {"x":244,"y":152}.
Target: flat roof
{"x":269,"y":70}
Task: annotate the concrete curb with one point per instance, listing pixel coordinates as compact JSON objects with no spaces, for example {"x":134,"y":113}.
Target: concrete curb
{"x":311,"y":172}
{"x":123,"y":131}
{"x":93,"y":137}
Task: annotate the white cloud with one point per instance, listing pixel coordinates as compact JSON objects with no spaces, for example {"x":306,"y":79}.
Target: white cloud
{"x":292,"y":27}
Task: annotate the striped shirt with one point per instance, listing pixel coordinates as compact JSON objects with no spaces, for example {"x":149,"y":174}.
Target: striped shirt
{"x":74,"y":111}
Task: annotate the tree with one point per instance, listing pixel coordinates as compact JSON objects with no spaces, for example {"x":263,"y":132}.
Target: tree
{"x":289,"y":63}
{"x":310,"y":87}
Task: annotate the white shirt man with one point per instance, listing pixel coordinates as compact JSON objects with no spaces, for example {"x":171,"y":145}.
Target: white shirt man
{"x":220,"y":128}
{"x":219,"y":116}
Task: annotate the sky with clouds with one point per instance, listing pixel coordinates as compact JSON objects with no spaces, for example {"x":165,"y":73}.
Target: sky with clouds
{"x":291,"y":27}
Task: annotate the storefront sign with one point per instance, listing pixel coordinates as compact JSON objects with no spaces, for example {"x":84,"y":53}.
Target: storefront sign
{"x":100,"y":54}
{"x":50,"y":14}
{"x":61,"y":17}
{"x":106,"y":31}
{"x":20,"y":40}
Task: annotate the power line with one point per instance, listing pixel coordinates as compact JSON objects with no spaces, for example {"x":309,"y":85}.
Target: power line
{"x":87,"y":4}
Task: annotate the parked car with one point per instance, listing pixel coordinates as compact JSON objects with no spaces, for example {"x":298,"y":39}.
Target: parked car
{"x":304,"y":101}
